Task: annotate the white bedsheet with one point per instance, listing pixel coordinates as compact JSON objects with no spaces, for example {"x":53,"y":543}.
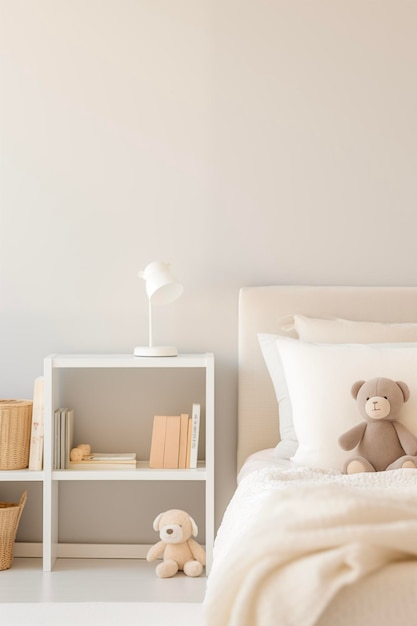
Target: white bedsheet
{"x":261,"y":459}
{"x":292,"y":538}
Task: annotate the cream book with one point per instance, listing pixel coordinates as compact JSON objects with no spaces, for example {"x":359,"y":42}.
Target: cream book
{"x":102,"y":465}
{"x":69,"y":436}
{"x":172,"y":442}
{"x":120,"y":457}
{"x":182,"y":456}
{"x":156,"y":459}
{"x":195,"y":434}
{"x":36,"y":436}
{"x":105,"y":460}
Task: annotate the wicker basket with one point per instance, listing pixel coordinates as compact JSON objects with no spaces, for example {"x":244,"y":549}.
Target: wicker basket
{"x":15,"y":428}
{"x":9,"y":521}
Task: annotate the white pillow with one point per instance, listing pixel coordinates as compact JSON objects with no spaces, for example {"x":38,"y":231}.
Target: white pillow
{"x":333,"y":330}
{"x":319,"y":379}
{"x":285,"y":448}
{"x":338,"y":330}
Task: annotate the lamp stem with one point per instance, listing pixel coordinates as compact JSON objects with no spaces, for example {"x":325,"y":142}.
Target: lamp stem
{"x":150,"y":323}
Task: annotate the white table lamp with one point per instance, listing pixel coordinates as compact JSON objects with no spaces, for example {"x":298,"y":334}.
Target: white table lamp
{"x":161,"y":288}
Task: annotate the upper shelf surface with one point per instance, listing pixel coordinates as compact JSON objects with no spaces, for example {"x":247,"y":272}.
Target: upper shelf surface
{"x":128,"y":360}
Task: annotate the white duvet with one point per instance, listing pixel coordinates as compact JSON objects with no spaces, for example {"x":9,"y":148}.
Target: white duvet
{"x":291,"y":539}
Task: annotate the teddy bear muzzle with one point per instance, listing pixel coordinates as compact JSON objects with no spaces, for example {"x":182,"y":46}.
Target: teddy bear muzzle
{"x":377,"y":407}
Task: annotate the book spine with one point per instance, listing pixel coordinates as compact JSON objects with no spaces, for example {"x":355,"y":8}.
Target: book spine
{"x":195,"y":433}
{"x":182,"y":456}
{"x":172,"y":442}
{"x":156,"y":459}
{"x":93,"y":465}
{"x":62,"y":439}
{"x":111,"y":457}
{"x":189,"y":433}
{"x":36,"y":436}
{"x":69,"y":436}
{"x":57,"y":438}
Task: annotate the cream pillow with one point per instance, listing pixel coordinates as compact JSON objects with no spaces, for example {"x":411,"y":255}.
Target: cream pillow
{"x":319,"y":379}
{"x":338,"y":330}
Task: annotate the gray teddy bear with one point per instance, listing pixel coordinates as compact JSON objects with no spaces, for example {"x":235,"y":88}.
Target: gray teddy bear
{"x":383,"y":442}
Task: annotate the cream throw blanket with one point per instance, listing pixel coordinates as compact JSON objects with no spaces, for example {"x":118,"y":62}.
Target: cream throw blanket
{"x":290,"y":540}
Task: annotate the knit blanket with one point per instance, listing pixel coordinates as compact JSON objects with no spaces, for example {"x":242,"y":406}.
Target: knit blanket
{"x":291,"y":540}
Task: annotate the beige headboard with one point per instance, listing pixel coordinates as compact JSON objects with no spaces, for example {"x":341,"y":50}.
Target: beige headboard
{"x":259,"y":310}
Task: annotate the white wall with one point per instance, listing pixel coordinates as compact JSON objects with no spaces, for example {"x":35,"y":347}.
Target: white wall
{"x":246,"y":142}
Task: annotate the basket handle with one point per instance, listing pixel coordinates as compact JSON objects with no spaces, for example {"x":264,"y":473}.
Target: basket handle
{"x":23,"y":499}
{"x":22,"y":503}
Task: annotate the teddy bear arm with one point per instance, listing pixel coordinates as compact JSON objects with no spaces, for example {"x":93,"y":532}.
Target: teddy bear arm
{"x":352,"y":437}
{"x":407,"y":440}
{"x":155,"y":551}
{"x":197,"y":551}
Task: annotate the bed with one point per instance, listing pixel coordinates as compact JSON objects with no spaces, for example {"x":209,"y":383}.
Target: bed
{"x":301,"y":542}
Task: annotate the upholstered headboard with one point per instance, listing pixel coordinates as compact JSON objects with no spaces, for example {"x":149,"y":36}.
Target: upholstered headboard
{"x":259,"y":311}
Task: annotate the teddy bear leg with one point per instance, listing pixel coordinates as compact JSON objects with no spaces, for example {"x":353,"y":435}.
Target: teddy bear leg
{"x":404,"y":462}
{"x":167,"y":568}
{"x":358,"y":464}
{"x":193,"y":568}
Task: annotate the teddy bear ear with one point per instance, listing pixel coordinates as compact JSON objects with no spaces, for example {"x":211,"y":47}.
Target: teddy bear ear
{"x":404,"y":388}
{"x":194,"y":527}
{"x":156,"y":521}
{"x":355,"y":388}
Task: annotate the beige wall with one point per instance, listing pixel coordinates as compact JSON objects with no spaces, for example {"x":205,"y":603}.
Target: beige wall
{"x":247,"y":142}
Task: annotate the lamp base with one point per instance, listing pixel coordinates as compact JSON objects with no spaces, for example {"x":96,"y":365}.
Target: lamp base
{"x":155,"y":351}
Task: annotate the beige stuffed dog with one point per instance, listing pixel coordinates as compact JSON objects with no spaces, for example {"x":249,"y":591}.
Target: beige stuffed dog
{"x":179,"y":550}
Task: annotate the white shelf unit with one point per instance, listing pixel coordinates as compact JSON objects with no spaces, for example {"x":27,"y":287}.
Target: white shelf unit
{"x":56,"y":363}
{"x":21,"y":476}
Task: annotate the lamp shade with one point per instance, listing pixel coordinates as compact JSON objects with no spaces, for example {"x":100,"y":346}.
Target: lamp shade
{"x":161,"y":286}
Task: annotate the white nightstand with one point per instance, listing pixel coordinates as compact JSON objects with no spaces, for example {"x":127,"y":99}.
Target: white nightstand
{"x":92,"y":375}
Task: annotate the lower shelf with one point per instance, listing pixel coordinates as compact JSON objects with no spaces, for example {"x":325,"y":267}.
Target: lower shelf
{"x":93,"y":552}
{"x":85,"y":550}
{"x":96,"y":580}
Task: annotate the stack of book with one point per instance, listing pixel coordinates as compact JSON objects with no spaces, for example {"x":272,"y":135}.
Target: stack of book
{"x":63,"y":437}
{"x":105,"y":461}
{"x":175,"y":440}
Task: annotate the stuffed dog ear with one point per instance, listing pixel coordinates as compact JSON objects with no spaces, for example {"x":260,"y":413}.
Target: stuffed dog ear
{"x":194,"y":527}
{"x":156,"y":521}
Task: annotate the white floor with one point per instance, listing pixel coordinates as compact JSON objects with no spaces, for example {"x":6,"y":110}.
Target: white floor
{"x":81,"y":592}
